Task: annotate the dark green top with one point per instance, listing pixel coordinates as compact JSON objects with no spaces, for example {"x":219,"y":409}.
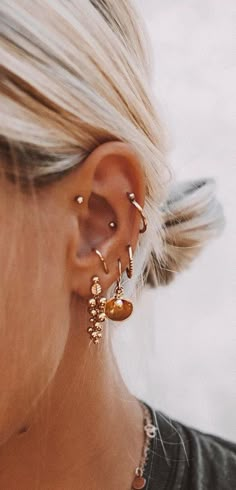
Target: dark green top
{"x":184,"y":458}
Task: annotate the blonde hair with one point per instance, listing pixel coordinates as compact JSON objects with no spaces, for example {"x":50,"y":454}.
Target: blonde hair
{"x":80,"y":75}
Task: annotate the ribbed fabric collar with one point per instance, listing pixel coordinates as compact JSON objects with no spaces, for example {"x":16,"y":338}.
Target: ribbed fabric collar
{"x":164,"y":468}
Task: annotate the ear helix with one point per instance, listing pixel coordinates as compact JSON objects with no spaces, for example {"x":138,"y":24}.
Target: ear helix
{"x":116,"y":308}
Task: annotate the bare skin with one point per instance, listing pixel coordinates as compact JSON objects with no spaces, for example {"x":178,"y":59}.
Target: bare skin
{"x":84,"y":429}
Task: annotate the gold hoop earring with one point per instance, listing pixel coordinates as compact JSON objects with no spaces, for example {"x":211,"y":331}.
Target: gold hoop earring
{"x":96,"y":309}
{"x":131,"y":197}
{"x":129,"y":270}
{"x":102,"y":260}
{"x":117,"y":308}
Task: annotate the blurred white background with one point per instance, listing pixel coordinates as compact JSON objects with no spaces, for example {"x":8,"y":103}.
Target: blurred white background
{"x":178,"y":350}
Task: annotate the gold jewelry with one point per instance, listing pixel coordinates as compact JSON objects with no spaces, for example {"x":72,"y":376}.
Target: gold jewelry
{"x":96,"y":309}
{"x":129,"y":270}
{"x":117,"y":308}
{"x":112,"y":224}
{"x":79,"y":199}
{"x":150,"y":430}
{"x":131,"y":197}
{"x":102,"y":260}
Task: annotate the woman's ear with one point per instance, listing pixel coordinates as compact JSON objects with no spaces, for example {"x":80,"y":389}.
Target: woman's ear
{"x":104,"y":179}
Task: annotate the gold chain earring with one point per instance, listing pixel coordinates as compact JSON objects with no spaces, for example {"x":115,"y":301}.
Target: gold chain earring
{"x":97,"y":304}
{"x":117,"y":308}
{"x":131,"y":197}
{"x":96,"y":309}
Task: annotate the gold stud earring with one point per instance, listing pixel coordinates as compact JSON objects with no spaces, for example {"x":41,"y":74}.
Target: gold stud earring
{"x":129,"y":270}
{"x":79,"y":199}
{"x":118,"y":308}
{"x":131,"y":197}
{"x":112,"y":224}
{"x":96,"y":308}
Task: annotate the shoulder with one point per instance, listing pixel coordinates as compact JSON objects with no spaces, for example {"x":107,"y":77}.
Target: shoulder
{"x":183,"y":457}
{"x":210,"y":460}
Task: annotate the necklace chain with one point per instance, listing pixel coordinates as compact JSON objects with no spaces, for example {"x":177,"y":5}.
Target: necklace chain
{"x":150,"y":433}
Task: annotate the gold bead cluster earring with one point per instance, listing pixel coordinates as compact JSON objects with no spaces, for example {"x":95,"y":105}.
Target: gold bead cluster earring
{"x":116,"y":308}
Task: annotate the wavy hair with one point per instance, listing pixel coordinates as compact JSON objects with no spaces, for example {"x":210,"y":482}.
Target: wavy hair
{"x":81,"y":76}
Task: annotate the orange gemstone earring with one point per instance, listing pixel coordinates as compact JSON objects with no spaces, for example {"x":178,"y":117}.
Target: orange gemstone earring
{"x":117,"y":308}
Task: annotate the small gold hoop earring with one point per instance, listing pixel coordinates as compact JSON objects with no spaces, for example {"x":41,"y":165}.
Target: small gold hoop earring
{"x":129,"y":270}
{"x":131,"y":197}
{"x":102,"y":260}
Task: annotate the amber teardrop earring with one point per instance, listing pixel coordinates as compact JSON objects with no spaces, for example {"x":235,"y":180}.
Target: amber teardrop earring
{"x":118,"y":308}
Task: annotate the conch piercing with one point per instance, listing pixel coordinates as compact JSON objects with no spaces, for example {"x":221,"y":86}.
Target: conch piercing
{"x":96,"y":308}
{"x":112,"y":224}
{"x":118,"y":308}
{"x":131,"y":197}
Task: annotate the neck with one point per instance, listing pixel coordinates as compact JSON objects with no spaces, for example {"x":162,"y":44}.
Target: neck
{"x":87,"y":429}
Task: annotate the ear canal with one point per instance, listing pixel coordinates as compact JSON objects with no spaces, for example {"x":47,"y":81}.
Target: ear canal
{"x":191,"y":217}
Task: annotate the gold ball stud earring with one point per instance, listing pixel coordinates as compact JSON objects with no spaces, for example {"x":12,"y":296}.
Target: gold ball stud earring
{"x":112,"y":224}
{"x":80,"y":199}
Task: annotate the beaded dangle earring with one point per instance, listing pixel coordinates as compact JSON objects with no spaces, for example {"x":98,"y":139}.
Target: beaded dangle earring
{"x":97,"y":305}
{"x":96,"y":309}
